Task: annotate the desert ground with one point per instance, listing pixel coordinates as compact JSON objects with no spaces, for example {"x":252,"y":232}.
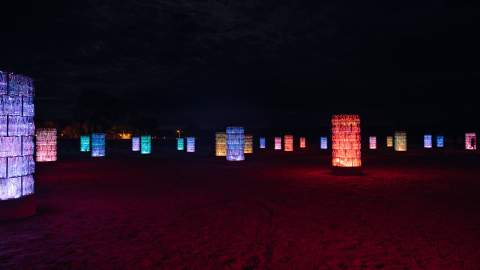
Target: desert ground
{"x":276,"y":210}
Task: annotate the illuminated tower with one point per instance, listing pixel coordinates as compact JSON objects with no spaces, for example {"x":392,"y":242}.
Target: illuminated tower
{"x":145,"y":144}
{"x":85,"y":143}
{"x":288,"y":143}
{"x":400,"y":141}
{"x":180,"y":144}
{"x":190,"y":144}
{"x":98,"y":144}
{"x":440,"y":141}
{"x":262,"y":143}
{"x":389,"y":141}
{"x":221,"y":144}
{"x":135,"y":144}
{"x":470,"y":141}
{"x":278,"y":143}
{"x":46,"y":145}
{"x":346,"y":141}
{"x":235,"y":143}
{"x":427,"y":141}
{"x":303,"y":143}
{"x":248,"y":149}
{"x":17,"y":131}
{"x":323,"y":143}
{"x":372,"y":141}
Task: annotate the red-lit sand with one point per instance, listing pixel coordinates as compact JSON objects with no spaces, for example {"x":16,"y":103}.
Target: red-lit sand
{"x":277,"y":211}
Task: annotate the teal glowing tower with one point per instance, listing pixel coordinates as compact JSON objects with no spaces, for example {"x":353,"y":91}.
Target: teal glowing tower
{"x":146,"y":144}
{"x":85,"y":143}
{"x":180,"y":144}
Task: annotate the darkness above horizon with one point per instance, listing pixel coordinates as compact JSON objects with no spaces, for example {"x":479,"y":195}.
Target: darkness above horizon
{"x":265,"y":64}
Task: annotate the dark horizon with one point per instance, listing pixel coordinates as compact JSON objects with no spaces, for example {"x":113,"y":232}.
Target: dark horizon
{"x":265,"y":64}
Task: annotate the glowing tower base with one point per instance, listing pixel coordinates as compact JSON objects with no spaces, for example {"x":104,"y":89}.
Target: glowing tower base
{"x":19,"y":208}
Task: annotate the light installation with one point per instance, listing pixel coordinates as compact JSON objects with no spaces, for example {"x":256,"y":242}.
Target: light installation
{"x":263,"y":143}
{"x":98,"y":144}
{"x":389,"y":141}
{"x":248,"y":148}
{"x":470,"y":141}
{"x":190,"y":144}
{"x":135,"y":144}
{"x":235,"y":144}
{"x":278,"y":143}
{"x":323,"y":143}
{"x":85,"y":143}
{"x":145,"y":144}
{"x":303,"y":142}
{"x":427,"y":141}
{"x":221,"y":144}
{"x":17,"y":131}
{"x":372,"y":142}
{"x":440,"y":141}
{"x":288,"y":143}
{"x":180,"y":144}
{"x":346,"y":141}
{"x":46,"y":145}
{"x":400,"y":141}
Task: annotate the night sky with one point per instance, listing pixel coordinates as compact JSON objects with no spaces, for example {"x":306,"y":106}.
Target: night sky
{"x":270,"y":64}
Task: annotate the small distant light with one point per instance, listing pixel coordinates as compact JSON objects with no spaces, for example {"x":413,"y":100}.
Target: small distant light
{"x":470,"y":141}
{"x":98,"y":144}
{"x":427,"y":141}
{"x":372,"y":140}
{"x":135,"y":144}
{"x":190,"y":144}
{"x":303,"y":142}
{"x":278,"y":143}
{"x":85,"y":143}
{"x":323,"y":143}
{"x":440,"y":141}
{"x":248,"y":149}
{"x":389,"y":141}
{"x":400,"y":141}
{"x":288,"y":143}
{"x":180,"y":144}
{"x":262,"y":143}
{"x":146,"y":144}
{"x":125,"y":135}
{"x":221,"y":144}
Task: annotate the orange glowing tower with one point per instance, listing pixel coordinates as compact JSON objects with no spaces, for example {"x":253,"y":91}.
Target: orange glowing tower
{"x":221,"y":144}
{"x":248,"y":149}
{"x":288,"y":143}
{"x":346,"y":142}
{"x":303,"y":142}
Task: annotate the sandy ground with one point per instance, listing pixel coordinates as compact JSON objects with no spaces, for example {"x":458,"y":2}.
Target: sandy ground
{"x":274,"y":211}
